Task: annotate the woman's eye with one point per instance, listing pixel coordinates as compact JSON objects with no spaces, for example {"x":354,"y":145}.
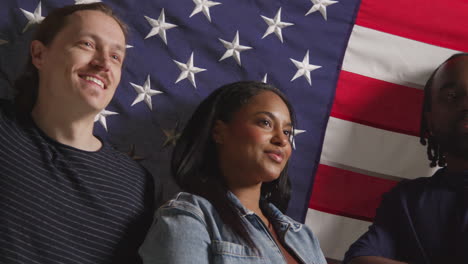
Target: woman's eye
{"x":265,"y":123}
{"x":287,"y":132}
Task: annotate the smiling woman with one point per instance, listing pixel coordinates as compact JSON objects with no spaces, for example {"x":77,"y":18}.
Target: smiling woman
{"x":231,"y":161}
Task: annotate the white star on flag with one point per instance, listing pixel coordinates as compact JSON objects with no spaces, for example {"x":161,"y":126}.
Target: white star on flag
{"x":203,"y":6}
{"x":33,"y":18}
{"x":101,"y":117}
{"x":275,"y":25}
{"x":128,"y":46}
{"x":159,"y":26}
{"x":144,"y":93}
{"x":2,"y":41}
{"x":265,"y":78}
{"x":321,"y":6}
{"x":233,"y":49}
{"x":79,"y":2}
{"x":188,"y":71}
{"x":304,"y":68}
{"x":296,"y":132}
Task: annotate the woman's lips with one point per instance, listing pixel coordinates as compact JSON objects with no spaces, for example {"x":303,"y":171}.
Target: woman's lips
{"x":276,"y":156}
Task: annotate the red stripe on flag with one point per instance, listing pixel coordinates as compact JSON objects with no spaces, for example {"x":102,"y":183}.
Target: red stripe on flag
{"x":441,"y":23}
{"x":347,"y":193}
{"x":377,"y":103}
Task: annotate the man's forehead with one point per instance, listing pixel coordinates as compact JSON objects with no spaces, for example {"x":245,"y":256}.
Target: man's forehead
{"x":88,"y":22}
{"x":453,"y":70}
{"x":85,"y":16}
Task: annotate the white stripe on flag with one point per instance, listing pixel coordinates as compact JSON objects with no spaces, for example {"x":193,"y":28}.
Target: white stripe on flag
{"x":391,"y":58}
{"x":335,"y":233}
{"x":374,"y":149}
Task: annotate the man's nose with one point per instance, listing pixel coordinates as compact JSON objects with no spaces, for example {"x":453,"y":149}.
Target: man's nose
{"x":101,"y":61}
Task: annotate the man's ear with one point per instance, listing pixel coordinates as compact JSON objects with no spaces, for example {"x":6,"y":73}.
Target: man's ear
{"x":219,"y":131}
{"x":37,"y":50}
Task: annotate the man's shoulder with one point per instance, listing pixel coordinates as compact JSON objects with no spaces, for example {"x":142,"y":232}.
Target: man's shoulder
{"x":116,"y":154}
{"x":416,"y":187}
{"x":6,"y":109}
{"x":10,"y":121}
{"x":421,"y":182}
{"x":123,"y":159}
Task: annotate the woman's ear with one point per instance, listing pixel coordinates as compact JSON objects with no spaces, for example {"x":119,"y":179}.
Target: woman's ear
{"x":37,"y":51}
{"x":219,"y":132}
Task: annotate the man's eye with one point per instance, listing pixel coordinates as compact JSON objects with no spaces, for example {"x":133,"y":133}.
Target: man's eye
{"x":451,"y":95}
{"x":287,"y":132}
{"x":87,"y":44}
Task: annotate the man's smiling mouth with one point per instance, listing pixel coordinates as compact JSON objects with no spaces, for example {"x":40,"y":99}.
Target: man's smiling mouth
{"x":94,"y":80}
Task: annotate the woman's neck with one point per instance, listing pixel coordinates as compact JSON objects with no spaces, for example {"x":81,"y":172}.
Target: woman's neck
{"x":249,"y":197}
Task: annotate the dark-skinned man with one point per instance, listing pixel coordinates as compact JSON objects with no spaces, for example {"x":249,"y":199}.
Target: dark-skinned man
{"x":425,"y":220}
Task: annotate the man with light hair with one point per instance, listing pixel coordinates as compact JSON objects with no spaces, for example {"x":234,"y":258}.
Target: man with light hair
{"x":66,"y":195}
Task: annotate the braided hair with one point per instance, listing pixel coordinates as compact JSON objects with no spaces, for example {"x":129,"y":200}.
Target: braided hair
{"x":434,"y":151}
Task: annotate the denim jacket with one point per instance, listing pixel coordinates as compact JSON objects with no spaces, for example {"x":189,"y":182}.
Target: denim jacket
{"x":188,"y":229}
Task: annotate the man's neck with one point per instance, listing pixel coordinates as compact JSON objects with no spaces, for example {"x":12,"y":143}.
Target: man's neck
{"x":72,"y":129}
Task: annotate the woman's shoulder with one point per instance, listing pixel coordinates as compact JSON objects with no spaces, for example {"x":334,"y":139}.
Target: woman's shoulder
{"x":188,"y":203}
{"x":184,"y":198}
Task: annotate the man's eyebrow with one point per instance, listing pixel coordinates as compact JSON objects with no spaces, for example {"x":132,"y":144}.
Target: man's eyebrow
{"x":120,"y":48}
{"x":269,"y":114}
{"x":115,"y":46}
{"x":447,"y":85}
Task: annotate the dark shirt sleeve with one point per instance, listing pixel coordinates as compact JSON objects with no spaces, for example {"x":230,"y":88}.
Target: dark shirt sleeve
{"x":382,"y":238}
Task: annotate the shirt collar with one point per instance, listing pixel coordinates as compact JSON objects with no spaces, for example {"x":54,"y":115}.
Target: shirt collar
{"x":456,"y":180}
{"x":269,"y":210}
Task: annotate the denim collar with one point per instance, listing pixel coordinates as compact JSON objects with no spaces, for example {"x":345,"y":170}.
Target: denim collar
{"x":269,"y":210}
{"x":242,"y":210}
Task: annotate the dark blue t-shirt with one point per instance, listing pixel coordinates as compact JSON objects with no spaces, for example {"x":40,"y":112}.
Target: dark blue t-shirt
{"x":420,"y":221}
{"x":59,"y":204}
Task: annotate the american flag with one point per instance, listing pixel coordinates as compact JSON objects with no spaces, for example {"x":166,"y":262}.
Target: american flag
{"x":354,"y":71}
